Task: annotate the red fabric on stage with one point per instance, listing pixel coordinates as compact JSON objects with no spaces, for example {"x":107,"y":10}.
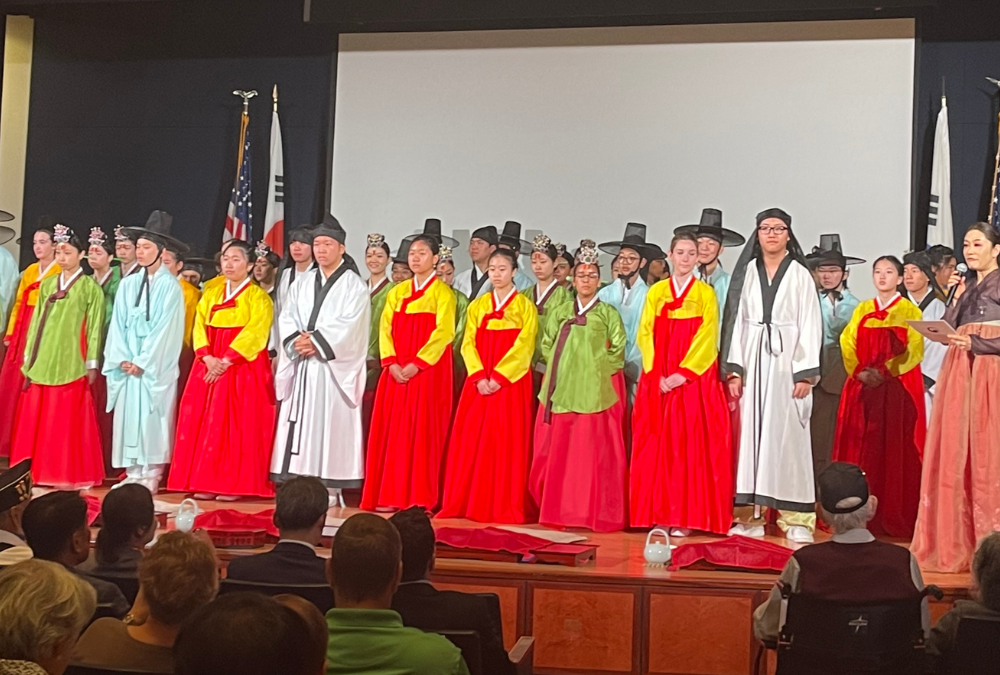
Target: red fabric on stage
{"x":410,"y":423}
{"x":11,"y":378}
{"x":105,"y":421}
{"x":682,"y":457}
{"x":93,"y":508}
{"x":490,"y":449}
{"x":489,"y":539}
{"x":882,"y":429}
{"x":225,"y":429}
{"x":579,"y":474}
{"x":57,"y":429}
{"x":230,"y":519}
{"x":734,"y":553}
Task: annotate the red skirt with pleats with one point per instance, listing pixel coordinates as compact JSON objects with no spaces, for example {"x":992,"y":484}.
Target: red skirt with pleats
{"x":682,"y":471}
{"x":105,"y":421}
{"x":489,"y":454}
{"x":410,"y":423}
{"x":225,"y":430}
{"x":11,"y":378}
{"x":882,"y":430}
{"x":57,"y":429}
{"x":579,"y":472}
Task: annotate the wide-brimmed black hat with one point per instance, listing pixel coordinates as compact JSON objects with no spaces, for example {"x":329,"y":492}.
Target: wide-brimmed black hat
{"x":157,"y":230}
{"x":15,"y":485}
{"x":6,"y":234}
{"x":6,"y":216}
{"x":711,"y":226}
{"x":432,"y":228}
{"x":403,"y":253}
{"x":634,"y":238}
{"x":511,"y":236}
{"x":830,"y":252}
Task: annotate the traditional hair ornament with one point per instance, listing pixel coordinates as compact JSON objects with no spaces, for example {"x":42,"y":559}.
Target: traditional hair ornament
{"x":444,"y":254}
{"x":587,"y":253}
{"x":62,"y":234}
{"x":541,"y":243}
{"x":560,"y":249}
{"x":97,"y":237}
{"x":375,"y":240}
{"x":262,"y":250}
{"x":120,"y":234}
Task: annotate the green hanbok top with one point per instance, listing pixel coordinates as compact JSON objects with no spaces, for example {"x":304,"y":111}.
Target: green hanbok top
{"x":461,"y":306}
{"x":584,"y":349}
{"x":378,"y":296}
{"x":109,"y":285}
{"x":66,"y":312}
{"x":555,"y":296}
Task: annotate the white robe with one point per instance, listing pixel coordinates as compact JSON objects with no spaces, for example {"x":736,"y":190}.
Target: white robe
{"x":934,"y":352}
{"x":319,"y":425}
{"x":463,"y":282}
{"x":775,"y":455}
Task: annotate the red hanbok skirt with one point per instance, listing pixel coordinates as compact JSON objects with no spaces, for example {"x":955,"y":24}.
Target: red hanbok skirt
{"x":682,"y":457}
{"x":882,"y":430}
{"x":579,"y":473}
{"x":105,"y":421}
{"x":410,"y":424}
{"x":57,"y":429}
{"x":225,"y":430}
{"x":11,"y":378}
{"x":490,"y":449}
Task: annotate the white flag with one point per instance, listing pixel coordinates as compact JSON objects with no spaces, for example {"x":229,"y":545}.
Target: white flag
{"x":274,"y":216}
{"x":939,"y":227}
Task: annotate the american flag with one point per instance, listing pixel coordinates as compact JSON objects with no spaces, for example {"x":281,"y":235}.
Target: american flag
{"x":239,"y":217}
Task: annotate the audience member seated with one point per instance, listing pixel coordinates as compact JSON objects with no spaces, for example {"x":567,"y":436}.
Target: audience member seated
{"x":984,"y":605}
{"x":128,"y":523}
{"x":244,"y":634}
{"x":43,"y":608}
{"x":425,"y":607}
{"x":55,"y":526}
{"x":318,"y":634}
{"x":853,"y":566}
{"x":366,"y":636}
{"x":299,"y":514}
{"x":15,"y":492}
{"x":177,"y":577}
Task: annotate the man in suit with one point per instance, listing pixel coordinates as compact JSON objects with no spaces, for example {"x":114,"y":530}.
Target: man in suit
{"x":299,"y":513}
{"x":425,"y":607}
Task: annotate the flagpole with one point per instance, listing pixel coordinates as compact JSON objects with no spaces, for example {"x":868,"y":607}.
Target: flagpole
{"x":274,"y":97}
{"x":996,"y":166}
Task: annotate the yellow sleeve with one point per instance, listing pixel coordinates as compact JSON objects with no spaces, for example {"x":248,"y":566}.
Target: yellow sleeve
{"x":386,"y":347}
{"x":199,"y":336}
{"x":516,"y":363}
{"x":914,"y":353}
{"x":849,"y":338}
{"x":644,"y":336}
{"x":252,"y":340}
{"x":22,"y":285}
{"x":191,"y":297}
{"x":444,"y":332}
{"x":473,"y":317}
{"x":704,"y":350}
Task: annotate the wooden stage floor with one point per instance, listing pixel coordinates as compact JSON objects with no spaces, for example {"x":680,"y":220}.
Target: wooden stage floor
{"x":615,"y":615}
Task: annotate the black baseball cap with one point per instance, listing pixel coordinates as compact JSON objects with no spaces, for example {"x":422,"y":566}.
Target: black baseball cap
{"x":841,"y":481}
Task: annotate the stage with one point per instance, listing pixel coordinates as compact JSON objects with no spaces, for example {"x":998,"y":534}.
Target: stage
{"x":614,"y":615}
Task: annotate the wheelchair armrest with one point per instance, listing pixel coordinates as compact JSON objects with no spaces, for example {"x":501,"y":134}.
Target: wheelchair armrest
{"x":932,"y":591}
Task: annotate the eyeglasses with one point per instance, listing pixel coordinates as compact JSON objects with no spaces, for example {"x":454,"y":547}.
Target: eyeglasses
{"x":592,"y":276}
{"x":781,"y":229}
{"x":629,"y":259}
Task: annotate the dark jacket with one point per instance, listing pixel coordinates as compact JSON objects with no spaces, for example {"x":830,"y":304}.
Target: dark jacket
{"x":287,"y":563}
{"x":425,"y":607}
{"x":110,"y":599}
{"x":945,"y":633}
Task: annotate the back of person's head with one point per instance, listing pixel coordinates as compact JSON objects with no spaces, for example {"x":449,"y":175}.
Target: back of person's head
{"x":365,"y":562}
{"x":178,"y":576}
{"x":986,"y":571}
{"x":43,"y":608}
{"x":300,"y":503}
{"x":51,"y":521}
{"x":319,"y":632}
{"x":243,"y":634}
{"x":845,"y":501}
{"x":417,"y":537}
{"x":127,"y":516}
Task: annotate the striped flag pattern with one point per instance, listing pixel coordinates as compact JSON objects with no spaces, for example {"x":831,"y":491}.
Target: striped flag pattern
{"x":239,"y":217}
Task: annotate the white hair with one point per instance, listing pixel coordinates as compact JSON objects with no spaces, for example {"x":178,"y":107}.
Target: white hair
{"x":43,"y":607}
{"x":855,"y":520}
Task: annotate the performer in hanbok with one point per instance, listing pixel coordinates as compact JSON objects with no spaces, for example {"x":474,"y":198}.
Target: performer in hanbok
{"x":225,"y":423}
{"x":174,"y":260}
{"x":923,"y":291}
{"x":564,"y":265}
{"x":486,"y":476}
{"x":56,"y":421}
{"x":100,"y":256}
{"x":320,"y":382}
{"x":943,"y":264}
{"x":658,"y":269}
{"x":771,"y":338}
{"x":9,"y":274}
{"x":377,"y":257}
{"x":627,"y":293}
{"x":413,"y":403}
{"x":881,"y":424}
{"x":299,"y":261}
{"x":141,"y":359}
{"x":829,"y":266}
{"x":959,"y":499}
{"x":446,"y":262}
{"x":713,"y":238}
{"x":682,"y":458}
{"x":400,"y":270}
{"x":265,"y":269}
{"x":125,"y":251}
{"x":579,"y":471}
{"x":510,"y":239}
{"x":25,"y":299}
{"x":546,"y":295}
{"x":475,"y":282}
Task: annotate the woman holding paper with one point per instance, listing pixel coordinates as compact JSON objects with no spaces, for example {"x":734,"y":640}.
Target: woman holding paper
{"x":960,"y":494}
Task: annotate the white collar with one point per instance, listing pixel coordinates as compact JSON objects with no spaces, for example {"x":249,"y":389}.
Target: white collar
{"x":912,"y":299}
{"x":427,"y":282}
{"x":372,"y":287}
{"x":300,"y":543}
{"x":689,"y":279}
{"x":878,"y":302}
{"x":8,"y":537}
{"x":323,"y":276}
{"x":580,"y":309}
{"x":496,"y":299}
{"x":100,"y":282}
{"x":860,"y":535}
{"x":63,"y":285}
{"x":230,"y":294}
{"x":477,"y":272}
{"x":43,"y":272}
{"x":548,"y":291}
{"x":131,"y":269}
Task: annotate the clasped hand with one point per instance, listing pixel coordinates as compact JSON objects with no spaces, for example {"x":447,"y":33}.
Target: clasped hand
{"x":672,"y":382}
{"x":403,"y":374}
{"x":870,"y":378}
{"x":487,"y":387}
{"x":215,"y":367}
{"x":130,"y":368}
{"x":303,"y":345}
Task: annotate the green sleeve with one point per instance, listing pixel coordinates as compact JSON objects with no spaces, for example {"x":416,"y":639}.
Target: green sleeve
{"x":94,"y":323}
{"x":461,"y":307}
{"x":616,"y":339}
{"x":44,"y":291}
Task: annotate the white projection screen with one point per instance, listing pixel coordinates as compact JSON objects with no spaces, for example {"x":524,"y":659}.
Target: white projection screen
{"x":575,"y":132}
